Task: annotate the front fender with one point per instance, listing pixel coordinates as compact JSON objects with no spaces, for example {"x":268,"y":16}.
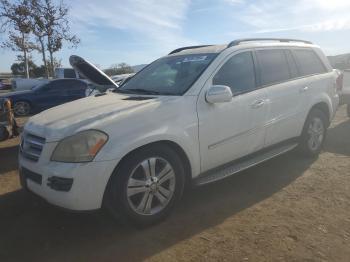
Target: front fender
{"x":122,"y":148}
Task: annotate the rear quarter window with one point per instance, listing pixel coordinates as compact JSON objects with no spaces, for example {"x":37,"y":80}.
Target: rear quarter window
{"x":69,"y":73}
{"x":309,"y":63}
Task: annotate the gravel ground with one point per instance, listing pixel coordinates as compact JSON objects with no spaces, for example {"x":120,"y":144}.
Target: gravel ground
{"x":287,"y":209}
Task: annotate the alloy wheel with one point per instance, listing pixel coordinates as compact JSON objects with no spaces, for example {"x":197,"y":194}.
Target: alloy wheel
{"x":21,"y":108}
{"x":151,"y":186}
{"x":316,"y":133}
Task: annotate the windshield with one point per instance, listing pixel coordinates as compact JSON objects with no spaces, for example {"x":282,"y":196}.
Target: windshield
{"x":172,"y":75}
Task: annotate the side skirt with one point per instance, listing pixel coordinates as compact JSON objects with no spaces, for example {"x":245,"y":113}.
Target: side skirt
{"x":246,"y":162}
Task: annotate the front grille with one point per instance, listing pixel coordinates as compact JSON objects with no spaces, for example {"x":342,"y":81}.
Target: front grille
{"x":31,"y":146}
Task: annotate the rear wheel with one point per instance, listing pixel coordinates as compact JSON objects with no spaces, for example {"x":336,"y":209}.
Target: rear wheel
{"x":147,"y":185}
{"x":314,"y":133}
{"x":21,"y":108}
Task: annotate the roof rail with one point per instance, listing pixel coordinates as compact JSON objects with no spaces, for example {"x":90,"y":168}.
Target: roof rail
{"x":284,"y":40}
{"x":187,"y":47}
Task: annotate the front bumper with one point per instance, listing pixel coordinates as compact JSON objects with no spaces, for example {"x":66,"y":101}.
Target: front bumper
{"x":74,"y":186}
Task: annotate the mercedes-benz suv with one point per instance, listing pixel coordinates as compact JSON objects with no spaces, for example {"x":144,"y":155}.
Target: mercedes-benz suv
{"x":195,"y":116}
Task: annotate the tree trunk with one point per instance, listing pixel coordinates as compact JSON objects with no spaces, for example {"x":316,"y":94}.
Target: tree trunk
{"x":44,"y":57}
{"x":25,"y":57}
{"x":52,"y":64}
{"x":26,"y":63}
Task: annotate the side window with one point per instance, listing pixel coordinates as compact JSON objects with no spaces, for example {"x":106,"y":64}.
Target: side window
{"x":273,"y":66}
{"x":309,"y":62}
{"x":238,"y":73}
{"x":292,"y":64}
{"x":74,"y":84}
{"x":69,"y":73}
{"x":55,"y":86}
{"x":75,"y":87}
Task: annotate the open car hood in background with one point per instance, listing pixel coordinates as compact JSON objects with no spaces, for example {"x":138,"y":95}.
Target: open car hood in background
{"x":91,"y":72}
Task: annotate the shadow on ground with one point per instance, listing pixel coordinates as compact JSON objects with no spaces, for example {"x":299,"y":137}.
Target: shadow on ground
{"x":32,"y":230}
{"x":8,"y":161}
{"x":338,"y":139}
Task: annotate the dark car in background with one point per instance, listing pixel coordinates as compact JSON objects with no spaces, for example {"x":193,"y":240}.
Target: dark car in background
{"x":4,"y":84}
{"x":46,"y":95}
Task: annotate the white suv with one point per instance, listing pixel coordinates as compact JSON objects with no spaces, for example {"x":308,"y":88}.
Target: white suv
{"x":195,"y":116}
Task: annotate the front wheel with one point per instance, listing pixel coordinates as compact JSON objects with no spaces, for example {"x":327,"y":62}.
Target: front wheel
{"x":146,"y":186}
{"x":314,"y":133}
{"x":21,"y":108}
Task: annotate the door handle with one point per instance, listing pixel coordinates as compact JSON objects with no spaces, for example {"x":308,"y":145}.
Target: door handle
{"x":304,"y":89}
{"x":258,"y":103}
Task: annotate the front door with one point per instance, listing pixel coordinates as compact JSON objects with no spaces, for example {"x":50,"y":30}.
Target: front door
{"x":228,"y":131}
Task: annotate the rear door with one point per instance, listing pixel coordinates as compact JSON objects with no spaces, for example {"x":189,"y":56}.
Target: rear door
{"x":278,"y":75}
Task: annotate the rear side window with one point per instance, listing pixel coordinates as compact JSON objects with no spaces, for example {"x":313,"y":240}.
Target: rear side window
{"x":237,"y":73}
{"x":309,"y":62}
{"x":69,"y":73}
{"x":55,"y":86}
{"x":273,"y":66}
{"x":74,"y":84}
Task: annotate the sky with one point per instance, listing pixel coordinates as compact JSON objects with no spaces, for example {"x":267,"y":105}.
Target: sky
{"x":140,"y":31}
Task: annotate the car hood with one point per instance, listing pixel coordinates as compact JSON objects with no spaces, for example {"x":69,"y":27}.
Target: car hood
{"x":94,"y":112}
{"x":91,"y":72}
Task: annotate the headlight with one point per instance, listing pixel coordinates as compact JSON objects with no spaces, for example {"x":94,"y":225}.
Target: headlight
{"x":81,"y":147}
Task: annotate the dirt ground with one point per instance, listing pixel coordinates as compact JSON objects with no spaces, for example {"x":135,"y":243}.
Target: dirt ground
{"x":287,"y":209}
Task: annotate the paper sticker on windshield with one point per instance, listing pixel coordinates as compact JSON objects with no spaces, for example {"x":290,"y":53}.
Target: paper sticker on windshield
{"x":195,"y":58}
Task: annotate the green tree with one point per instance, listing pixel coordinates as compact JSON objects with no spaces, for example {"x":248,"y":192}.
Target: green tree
{"x":119,"y":69}
{"x":35,"y":71}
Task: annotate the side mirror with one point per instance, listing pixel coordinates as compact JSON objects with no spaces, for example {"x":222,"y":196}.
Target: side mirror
{"x":218,"y":94}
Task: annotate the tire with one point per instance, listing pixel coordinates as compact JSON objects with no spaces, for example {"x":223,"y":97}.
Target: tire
{"x":314,"y":133}
{"x":136,"y":193}
{"x":22,"y":108}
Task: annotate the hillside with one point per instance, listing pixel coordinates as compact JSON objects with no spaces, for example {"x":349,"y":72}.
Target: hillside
{"x":340,"y":61}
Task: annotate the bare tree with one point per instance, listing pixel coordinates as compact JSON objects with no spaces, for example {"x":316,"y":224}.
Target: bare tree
{"x":16,"y":21}
{"x":51,"y":27}
{"x":38,"y":29}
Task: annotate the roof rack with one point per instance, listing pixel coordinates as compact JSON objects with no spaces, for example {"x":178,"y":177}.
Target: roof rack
{"x":283,"y":40}
{"x":187,"y":47}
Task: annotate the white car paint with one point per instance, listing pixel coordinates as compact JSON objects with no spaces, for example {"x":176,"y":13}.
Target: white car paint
{"x":209,"y":134}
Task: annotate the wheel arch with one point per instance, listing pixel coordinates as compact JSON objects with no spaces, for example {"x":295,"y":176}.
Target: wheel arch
{"x":21,"y":100}
{"x":324,"y":107}
{"x":173,"y":145}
